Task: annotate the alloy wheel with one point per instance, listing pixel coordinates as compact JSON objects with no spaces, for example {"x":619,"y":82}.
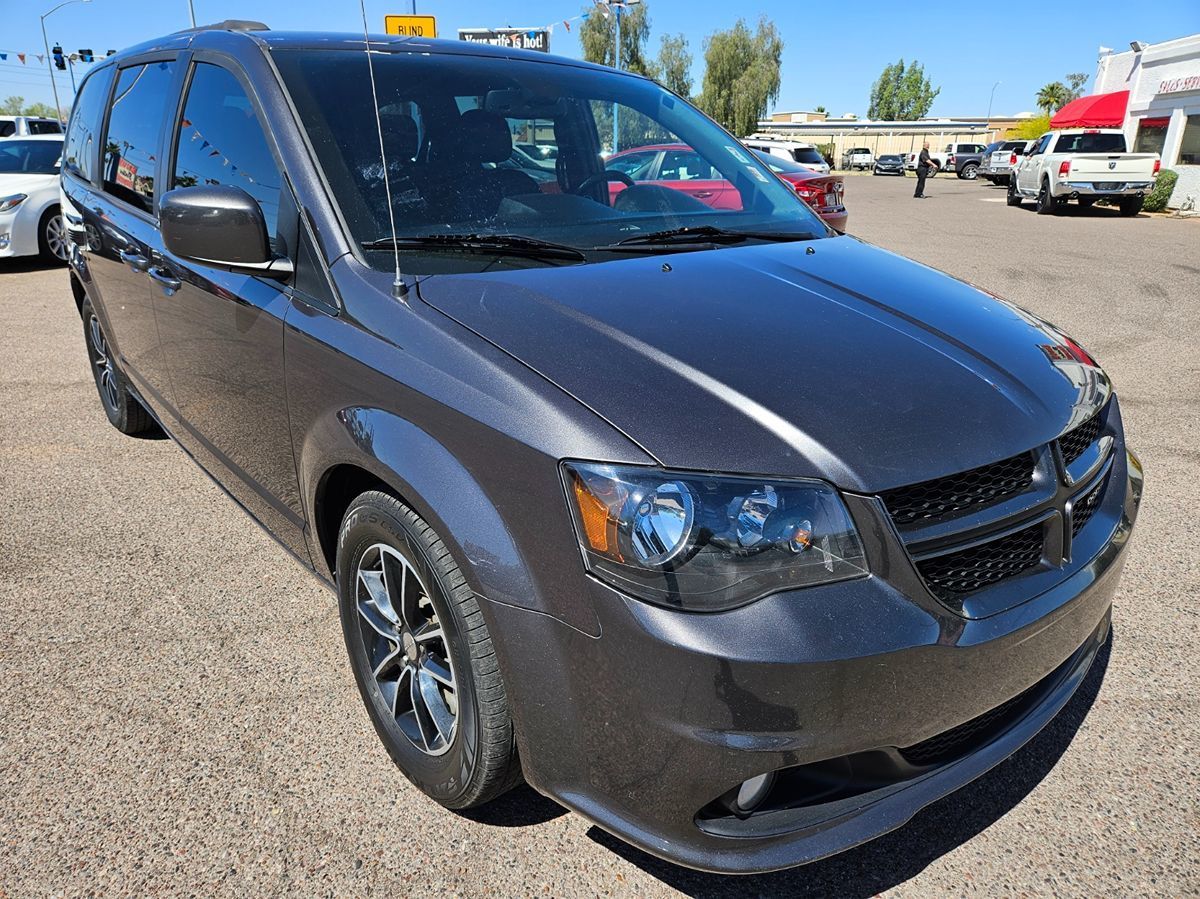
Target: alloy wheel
{"x":106,"y":375}
{"x":56,"y":237}
{"x":406,"y":646}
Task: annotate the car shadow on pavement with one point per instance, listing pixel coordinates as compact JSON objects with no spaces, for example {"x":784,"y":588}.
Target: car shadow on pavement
{"x":22,"y":265}
{"x":520,"y":807}
{"x":900,"y":855}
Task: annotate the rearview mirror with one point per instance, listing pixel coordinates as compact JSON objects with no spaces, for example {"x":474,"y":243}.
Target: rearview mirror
{"x":220,"y":226}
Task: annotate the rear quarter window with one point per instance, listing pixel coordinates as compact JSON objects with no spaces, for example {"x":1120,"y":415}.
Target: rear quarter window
{"x":811,"y":156}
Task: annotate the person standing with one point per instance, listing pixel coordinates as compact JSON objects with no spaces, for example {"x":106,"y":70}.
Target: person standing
{"x":924,"y":164}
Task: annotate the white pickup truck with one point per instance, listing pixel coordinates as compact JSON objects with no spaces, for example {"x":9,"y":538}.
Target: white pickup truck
{"x":1084,"y":165}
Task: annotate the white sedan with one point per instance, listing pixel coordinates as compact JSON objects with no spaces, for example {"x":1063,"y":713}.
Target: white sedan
{"x":30,"y":223}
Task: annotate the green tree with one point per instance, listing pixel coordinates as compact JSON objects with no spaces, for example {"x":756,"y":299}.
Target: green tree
{"x":901,"y":93}
{"x":819,"y":109}
{"x":598,"y":35}
{"x":741,"y":75}
{"x":673,"y":69}
{"x":1075,"y":83}
{"x":1028,"y":129}
{"x":12,"y":106}
{"x":1053,"y":97}
{"x":42,"y":110}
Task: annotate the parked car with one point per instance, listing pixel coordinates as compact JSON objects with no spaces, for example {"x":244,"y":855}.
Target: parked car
{"x":999,"y":162}
{"x":805,"y":154}
{"x":858,"y":158}
{"x":679,"y":167}
{"x":23,"y":126}
{"x":1084,"y":165}
{"x":742,"y":539}
{"x":889,"y":164}
{"x":30,"y":224}
{"x":824,"y":193}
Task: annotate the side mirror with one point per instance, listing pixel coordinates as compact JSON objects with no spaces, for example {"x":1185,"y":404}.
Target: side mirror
{"x":222,"y":227}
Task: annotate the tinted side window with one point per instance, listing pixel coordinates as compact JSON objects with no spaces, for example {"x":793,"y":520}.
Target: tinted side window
{"x":45,"y":128}
{"x":7,"y":129}
{"x":221,"y":141}
{"x":78,"y":151}
{"x":681,"y":165}
{"x":811,"y":156}
{"x":134,"y":126}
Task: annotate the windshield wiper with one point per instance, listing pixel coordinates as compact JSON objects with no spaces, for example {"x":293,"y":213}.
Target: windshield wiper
{"x":499,"y":244}
{"x":703,"y":234}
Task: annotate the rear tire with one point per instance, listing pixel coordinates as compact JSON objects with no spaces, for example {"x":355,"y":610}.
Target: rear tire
{"x":52,"y":237}
{"x":451,"y":734}
{"x":1046,"y":204}
{"x":1131,"y":206}
{"x":1014,"y":198}
{"x":969,"y":172}
{"x":124,"y":411}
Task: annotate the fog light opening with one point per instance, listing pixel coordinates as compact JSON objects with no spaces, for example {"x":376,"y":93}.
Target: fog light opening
{"x":747,"y":797}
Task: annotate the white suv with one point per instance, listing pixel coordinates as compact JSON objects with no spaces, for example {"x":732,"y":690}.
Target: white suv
{"x":806,"y":155}
{"x":23,"y":126}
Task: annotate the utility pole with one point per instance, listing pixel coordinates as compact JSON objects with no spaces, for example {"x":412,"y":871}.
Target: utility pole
{"x":50,"y":59}
{"x":990,"y":98}
{"x":192,"y":13}
{"x":616,"y":6}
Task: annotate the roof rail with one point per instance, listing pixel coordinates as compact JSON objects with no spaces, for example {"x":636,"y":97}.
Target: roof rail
{"x":229,"y":25}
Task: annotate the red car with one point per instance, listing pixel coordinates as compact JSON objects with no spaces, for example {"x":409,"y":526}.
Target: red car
{"x":681,"y":168}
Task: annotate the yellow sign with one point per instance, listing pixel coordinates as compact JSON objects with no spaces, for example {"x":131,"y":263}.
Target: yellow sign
{"x":410,"y":26}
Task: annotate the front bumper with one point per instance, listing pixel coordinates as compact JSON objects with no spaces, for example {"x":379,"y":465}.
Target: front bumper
{"x":642,"y":728}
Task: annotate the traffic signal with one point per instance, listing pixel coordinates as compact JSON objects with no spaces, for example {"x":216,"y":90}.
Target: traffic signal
{"x":86,"y":55}
{"x":59,"y":61}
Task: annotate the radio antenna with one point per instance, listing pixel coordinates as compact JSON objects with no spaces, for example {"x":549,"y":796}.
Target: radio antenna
{"x":398,"y":288}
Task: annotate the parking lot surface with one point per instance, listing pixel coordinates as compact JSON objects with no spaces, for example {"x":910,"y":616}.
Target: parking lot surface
{"x":177,"y":715}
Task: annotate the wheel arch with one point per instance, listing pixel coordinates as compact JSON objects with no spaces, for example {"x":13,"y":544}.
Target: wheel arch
{"x":373,"y":449}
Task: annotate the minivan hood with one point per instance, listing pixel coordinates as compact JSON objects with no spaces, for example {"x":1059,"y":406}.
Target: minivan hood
{"x":829,"y":358}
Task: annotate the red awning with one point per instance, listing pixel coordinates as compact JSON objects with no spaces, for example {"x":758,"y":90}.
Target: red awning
{"x":1096,"y":111}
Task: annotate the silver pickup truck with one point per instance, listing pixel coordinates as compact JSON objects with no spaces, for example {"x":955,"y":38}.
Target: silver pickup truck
{"x":999,"y":163}
{"x":1084,"y":165}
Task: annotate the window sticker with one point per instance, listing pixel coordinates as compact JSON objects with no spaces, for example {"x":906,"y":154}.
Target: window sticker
{"x":737,"y":154}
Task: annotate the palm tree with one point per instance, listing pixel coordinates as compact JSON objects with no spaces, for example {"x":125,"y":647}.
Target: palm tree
{"x":1053,"y":97}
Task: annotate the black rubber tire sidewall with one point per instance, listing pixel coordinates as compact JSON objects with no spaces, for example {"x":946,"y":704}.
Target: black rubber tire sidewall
{"x":129,"y":416}
{"x":447,"y":778}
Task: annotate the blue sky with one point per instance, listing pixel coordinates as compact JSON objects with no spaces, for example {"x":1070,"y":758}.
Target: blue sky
{"x":829,"y":58}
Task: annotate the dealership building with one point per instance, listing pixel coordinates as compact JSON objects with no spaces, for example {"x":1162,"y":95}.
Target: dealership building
{"x":1160,"y":112}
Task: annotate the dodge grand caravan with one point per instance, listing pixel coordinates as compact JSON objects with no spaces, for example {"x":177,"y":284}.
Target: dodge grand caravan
{"x":742,"y":539}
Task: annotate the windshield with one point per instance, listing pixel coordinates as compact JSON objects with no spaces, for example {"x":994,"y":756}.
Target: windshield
{"x":488,"y":146}
{"x":30,"y":157}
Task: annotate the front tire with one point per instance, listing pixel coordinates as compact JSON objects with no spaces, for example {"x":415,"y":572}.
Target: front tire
{"x":1014,"y":198}
{"x":969,"y":172}
{"x":125,"y":412}
{"x":422,"y":655}
{"x":52,"y":237}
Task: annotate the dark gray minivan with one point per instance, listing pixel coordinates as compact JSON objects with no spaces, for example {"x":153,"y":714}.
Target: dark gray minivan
{"x":743,"y":539}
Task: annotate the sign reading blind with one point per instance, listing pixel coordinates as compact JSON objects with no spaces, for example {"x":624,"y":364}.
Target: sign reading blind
{"x":518,"y":38}
{"x":410,"y":26}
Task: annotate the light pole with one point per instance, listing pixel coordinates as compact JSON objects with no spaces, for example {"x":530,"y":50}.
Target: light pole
{"x":49,"y":59}
{"x":192,"y":13}
{"x":617,"y":6}
{"x":990,"y":98}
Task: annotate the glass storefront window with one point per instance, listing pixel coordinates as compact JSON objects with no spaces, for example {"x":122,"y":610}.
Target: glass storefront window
{"x":1189,"y":147}
{"x":1151,"y":135}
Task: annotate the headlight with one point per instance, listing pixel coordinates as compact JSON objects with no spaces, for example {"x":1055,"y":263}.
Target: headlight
{"x":12,"y":202}
{"x":708,"y":542}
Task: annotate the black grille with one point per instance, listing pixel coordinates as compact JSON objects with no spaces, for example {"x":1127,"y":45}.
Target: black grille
{"x":944,"y":496}
{"x":951,"y":576}
{"x":1083,"y":509}
{"x":958,"y":741}
{"x":1075,"y":442}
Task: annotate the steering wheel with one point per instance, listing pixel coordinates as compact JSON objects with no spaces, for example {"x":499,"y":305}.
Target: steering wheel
{"x":603,"y":178}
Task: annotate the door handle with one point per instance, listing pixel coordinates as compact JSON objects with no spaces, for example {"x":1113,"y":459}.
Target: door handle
{"x":134,"y":260}
{"x":701,"y":194}
{"x":166,"y":281}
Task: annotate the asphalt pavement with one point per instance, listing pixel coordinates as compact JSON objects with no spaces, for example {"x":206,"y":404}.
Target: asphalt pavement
{"x":177,"y":715}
